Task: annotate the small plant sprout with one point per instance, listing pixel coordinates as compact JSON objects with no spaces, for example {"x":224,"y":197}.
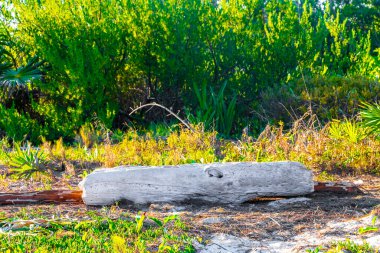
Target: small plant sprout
{"x":140,"y":222}
{"x":369,"y":229}
{"x":316,"y":250}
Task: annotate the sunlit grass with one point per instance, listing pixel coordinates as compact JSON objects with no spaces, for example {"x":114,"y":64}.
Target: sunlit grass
{"x":343,"y":147}
{"x":100,"y":234}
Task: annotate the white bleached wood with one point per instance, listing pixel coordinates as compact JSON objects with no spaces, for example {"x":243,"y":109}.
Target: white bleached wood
{"x":215,"y":183}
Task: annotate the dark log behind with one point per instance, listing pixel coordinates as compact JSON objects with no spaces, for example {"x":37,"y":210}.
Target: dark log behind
{"x":337,"y":187}
{"x":53,"y":196}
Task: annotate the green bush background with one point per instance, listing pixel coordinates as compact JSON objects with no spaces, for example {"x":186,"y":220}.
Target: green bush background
{"x":101,"y":58}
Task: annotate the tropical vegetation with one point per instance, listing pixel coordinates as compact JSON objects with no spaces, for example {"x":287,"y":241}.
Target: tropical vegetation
{"x":230,"y":65}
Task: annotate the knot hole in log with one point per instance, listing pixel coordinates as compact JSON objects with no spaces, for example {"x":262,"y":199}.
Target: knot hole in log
{"x":212,"y":172}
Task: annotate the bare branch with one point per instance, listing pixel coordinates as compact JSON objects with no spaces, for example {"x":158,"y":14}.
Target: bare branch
{"x":166,"y":109}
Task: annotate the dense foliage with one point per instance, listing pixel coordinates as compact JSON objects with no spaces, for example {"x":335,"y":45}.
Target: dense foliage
{"x":221,"y":64}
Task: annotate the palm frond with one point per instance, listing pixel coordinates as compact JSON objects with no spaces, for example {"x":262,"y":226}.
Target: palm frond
{"x":21,"y":76}
{"x":371,"y":116}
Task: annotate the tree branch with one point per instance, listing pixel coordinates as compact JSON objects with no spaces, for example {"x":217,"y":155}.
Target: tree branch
{"x":166,"y":109}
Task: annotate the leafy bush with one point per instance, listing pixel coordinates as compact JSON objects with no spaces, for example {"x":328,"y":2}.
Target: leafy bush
{"x":328,"y":98}
{"x":17,"y":119}
{"x":85,"y":49}
{"x":102,"y":58}
{"x":19,"y":126}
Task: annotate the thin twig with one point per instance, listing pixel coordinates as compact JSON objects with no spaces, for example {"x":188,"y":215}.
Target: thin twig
{"x":165,"y":108}
{"x":277,"y":223}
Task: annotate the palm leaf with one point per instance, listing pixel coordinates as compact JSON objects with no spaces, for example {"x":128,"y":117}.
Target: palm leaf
{"x":4,"y":66}
{"x":23,"y":75}
{"x":371,"y":116}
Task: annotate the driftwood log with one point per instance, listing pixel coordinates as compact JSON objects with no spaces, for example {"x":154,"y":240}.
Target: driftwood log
{"x":215,"y":183}
{"x":75,"y":197}
{"x":219,"y":183}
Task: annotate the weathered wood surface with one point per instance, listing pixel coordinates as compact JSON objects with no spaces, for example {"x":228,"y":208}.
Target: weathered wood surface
{"x":54,"y":196}
{"x":216,"y":183}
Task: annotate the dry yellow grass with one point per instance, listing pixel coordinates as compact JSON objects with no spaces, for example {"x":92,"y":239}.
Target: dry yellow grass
{"x":344,"y":147}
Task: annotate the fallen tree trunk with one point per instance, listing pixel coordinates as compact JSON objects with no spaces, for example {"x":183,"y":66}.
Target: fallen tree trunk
{"x":67,"y":196}
{"x":54,"y":196}
{"x":215,"y":183}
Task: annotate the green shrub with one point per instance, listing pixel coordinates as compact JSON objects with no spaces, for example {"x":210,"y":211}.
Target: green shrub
{"x":105,"y":57}
{"x":329,"y":98}
{"x":19,"y":126}
{"x":84,"y":45}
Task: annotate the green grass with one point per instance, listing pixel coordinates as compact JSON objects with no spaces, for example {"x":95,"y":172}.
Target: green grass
{"x":99,"y":234}
{"x":345,"y":246}
{"x":351,"y":246}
